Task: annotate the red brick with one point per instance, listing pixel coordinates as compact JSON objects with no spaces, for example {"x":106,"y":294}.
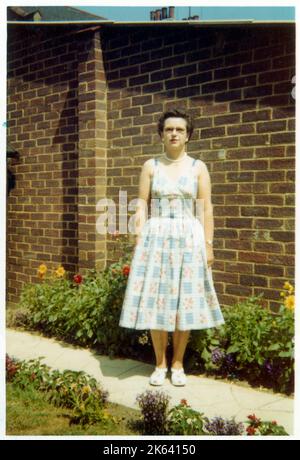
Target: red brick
{"x":238,"y":290}
{"x":254,"y":164}
{"x":227,"y":72}
{"x":268,"y":270}
{"x":248,"y":280}
{"x":212,"y":132}
{"x":283,"y":138}
{"x":241,"y":129}
{"x":283,"y":163}
{"x":253,"y":140}
{"x":239,"y":223}
{"x":226,"y":119}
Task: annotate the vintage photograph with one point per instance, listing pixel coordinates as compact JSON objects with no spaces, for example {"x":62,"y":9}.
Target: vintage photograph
{"x":150,"y":221}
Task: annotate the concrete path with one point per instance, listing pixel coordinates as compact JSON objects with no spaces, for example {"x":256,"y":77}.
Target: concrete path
{"x":125,"y":378}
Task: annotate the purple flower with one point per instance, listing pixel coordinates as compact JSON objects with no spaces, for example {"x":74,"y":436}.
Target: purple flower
{"x":220,"y":426}
{"x":229,"y":362}
{"x":268,"y":367}
{"x":154,"y":406}
{"x":217,"y":355}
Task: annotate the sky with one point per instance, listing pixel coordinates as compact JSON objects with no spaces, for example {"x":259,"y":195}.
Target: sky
{"x":142,"y":13}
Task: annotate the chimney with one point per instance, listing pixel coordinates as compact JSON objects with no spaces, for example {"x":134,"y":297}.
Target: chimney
{"x":172,"y":12}
{"x":164,"y":12}
{"x":196,"y":18}
{"x":158,"y":15}
{"x":152,"y":15}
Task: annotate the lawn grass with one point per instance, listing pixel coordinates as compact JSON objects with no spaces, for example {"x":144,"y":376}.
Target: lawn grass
{"x":28,"y":413}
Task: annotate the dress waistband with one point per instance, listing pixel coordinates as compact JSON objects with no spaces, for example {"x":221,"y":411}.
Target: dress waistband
{"x":172,"y":207}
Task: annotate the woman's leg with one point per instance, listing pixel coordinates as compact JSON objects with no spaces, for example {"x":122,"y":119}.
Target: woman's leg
{"x":180,"y":340}
{"x":160,"y":342}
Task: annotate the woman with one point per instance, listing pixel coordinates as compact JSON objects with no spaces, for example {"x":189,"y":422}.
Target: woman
{"x":170,"y":287}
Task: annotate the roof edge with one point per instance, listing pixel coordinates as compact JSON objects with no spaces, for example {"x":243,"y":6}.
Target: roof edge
{"x":155,"y":23}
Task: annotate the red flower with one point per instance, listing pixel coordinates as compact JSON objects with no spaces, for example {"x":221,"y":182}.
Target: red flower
{"x":250,"y":430}
{"x":115,"y":235}
{"x":183,"y":402}
{"x":77,"y":279}
{"x":126,"y":270}
{"x":255,"y":422}
{"x":274,"y":422}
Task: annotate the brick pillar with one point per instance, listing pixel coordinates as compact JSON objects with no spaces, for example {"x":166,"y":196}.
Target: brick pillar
{"x":92,"y":150}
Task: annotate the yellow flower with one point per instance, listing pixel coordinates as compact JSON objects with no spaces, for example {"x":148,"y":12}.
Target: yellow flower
{"x":282,"y":294}
{"x":143,"y":339}
{"x":86,"y":389}
{"x":42,"y":270}
{"x":289,"y":302}
{"x":288,"y":286}
{"x":60,"y":272}
{"x":105,"y":413}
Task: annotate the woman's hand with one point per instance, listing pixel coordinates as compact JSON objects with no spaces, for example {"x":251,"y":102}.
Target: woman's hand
{"x":209,"y":254}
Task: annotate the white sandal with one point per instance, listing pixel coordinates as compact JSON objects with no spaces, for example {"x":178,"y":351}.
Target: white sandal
{"x":178,"y":377}
{"x":157,"y":377}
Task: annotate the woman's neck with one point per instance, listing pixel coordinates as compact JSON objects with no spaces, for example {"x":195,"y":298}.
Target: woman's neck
{"x":173,"y":157}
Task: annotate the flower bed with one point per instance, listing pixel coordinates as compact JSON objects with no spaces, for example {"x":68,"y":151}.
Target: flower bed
{"x":254,"y":344}
{"x":74,"y":390}
{"x":182,"y":420}
{"x":88,"y":401}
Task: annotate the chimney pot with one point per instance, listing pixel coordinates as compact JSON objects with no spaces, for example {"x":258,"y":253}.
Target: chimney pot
{"x":152,"y":15}
{"x":164,"y":12}
{"x":172,"y":12}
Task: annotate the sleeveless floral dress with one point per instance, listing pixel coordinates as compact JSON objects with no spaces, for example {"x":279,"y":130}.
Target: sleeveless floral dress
{"x":170,"y":285}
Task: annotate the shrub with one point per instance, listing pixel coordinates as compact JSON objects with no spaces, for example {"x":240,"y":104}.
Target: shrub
{"x":74,"y":390}
{"x":222,"y":427}
{"x":183,"y":420}
{"x":85,"y":310}
{"x":254,"y":343}
{"x":154,"y":407}
{"x":258,"y":428}
{"x":12,"y":367}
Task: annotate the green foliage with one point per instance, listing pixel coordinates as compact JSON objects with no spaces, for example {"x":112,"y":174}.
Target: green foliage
{"x":87,"y":313}
{"x":183,"y":420}
{"x":74,"y":390}
{"x":256,"y":427}
{"x":254,"y":343}
{"x":45,"y":303}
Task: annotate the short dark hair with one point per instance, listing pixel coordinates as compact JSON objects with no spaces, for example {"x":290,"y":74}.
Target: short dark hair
{"x":176,"y":114}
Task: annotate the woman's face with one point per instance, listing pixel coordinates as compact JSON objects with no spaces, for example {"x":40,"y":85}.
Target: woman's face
{"x":174,"y":135}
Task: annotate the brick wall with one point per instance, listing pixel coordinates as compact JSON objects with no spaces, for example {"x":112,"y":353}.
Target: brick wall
{"x":82,"y":113}
{"x":57,"y":123}
{"x":237,"y":83}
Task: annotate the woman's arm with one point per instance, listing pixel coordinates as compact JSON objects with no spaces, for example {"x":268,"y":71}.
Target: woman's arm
{"x":206,"y":209}
{"x":143,"y":197}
